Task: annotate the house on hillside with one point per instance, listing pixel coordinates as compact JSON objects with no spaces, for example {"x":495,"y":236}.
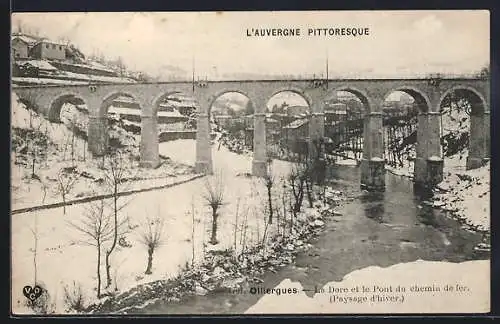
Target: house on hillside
{"x":295,"y":134}
{"x":222,"y":121}
{"x":273,"y":130}
{"x":296,"y":110}
{"x":335,"y":112}
{"x":185,"y":107}
{"x":393,"y":108}
{"x":21,"y":46}
{"x":48,"y":50}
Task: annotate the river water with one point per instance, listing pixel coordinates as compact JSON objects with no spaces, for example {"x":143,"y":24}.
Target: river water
{"x":376,"y":229}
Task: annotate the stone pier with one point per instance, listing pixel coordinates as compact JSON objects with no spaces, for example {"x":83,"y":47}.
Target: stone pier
{"x":479,"y":140}
{"x":373,"y":163}
{"x":434,"y":172}
{"x":429,"y":161}
{"x":259,"y":163}
{"x":149,"y":150}
{"x":203,"y":147}
{"x":420,"y":167}
{"x":316,"y":134}
{"x":97,"y":134}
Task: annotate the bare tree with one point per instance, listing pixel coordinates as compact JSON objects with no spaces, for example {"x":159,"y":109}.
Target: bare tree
{"x":236,"y":222}
{"x":65,"y":182}
{"x":151,"y":236}
{"x":192,"y":231}
{"x":34,"y":144}
{"x":97,"y":227}
{"x":215,"y":198}
{"x":296,"y":179}
{"x":114,"y":175}
{"x":35,"y":248}
{"x":308,"y":172}
{"x":73,"y":128}
{"x":264,"y":236}
{"x":269,"y":183}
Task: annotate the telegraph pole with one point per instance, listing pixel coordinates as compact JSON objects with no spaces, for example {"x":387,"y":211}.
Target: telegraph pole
{"x":192,"y":64}
{"x":327,"y":68}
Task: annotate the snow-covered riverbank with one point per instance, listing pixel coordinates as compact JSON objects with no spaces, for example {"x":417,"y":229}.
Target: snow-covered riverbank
{"x":429,"y":287}
{"x":467,"y":195}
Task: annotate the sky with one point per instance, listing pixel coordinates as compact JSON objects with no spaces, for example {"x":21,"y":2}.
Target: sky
{"x":400,"y":43}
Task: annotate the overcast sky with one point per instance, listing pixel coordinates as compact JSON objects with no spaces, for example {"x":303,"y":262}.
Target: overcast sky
{"x":400,"y":43}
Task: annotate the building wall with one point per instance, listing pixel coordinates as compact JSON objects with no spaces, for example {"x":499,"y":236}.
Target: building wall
{"x":293,"y":136}
{"x":45,"y":50}
{"x":19,"y":49}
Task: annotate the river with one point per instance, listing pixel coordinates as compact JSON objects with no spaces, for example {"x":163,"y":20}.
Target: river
{"x":376,"y":229}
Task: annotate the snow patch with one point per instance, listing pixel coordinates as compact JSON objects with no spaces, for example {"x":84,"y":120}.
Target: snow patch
{"x":421,"y":274}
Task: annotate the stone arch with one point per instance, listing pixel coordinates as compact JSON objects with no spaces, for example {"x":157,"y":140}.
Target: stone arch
{"x":422,"y":100}
{"x":159,"y":98}
{"x":98,"y":137}
{"x":204,"y":161}
{"x":477,"y":100}
{"x":295,"y":90}
{"x":108,"y":99}
{"x":220,"y":93}
{"x":427,"y":144}
{"x":56,"y":104}
{"x":479,"y":134}
{"x":360,"y":94}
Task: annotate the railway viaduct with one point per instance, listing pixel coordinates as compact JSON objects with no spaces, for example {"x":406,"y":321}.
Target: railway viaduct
{"x":427,"y":92}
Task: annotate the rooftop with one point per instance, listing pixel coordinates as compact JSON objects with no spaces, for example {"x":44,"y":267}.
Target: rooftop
{"x":48,"y":41}
{"x":27,"y":39}
{"x":297,"y":123}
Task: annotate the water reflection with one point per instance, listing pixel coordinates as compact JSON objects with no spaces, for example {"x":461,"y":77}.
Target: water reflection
{"x":374,"y":205}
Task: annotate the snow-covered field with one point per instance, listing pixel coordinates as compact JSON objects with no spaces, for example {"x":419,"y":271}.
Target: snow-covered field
{"x":61,"y":244}
{"x":469,"y":293}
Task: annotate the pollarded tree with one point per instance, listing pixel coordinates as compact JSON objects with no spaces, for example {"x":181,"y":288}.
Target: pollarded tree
{"x":151,"y":236}
{"x":214,"y":196}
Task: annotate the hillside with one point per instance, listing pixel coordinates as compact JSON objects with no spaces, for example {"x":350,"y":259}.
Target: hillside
{"x":68,"y":66}
{"x":42,"y":153}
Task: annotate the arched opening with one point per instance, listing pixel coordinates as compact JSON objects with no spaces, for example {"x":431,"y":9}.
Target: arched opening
{"x":176,"y":111}
{"x":63,"y":104}
{"x":224,"y":113}
{"x":116,"y":126}
{"x":69,"y":112}
{"x":231,"y":120}
{"x":400,"y":120}
{"x":465,"y":129}
{"x":176,"y":114}
{"x":287,"y":123}
{"x":345,"y":110}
